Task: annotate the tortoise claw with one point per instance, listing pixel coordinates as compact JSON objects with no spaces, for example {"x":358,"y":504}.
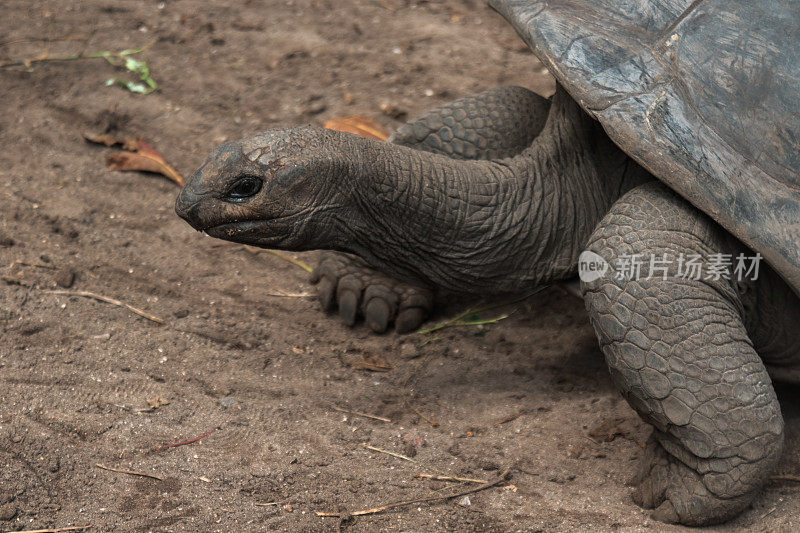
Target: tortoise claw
{"x":346,"y":283}
{"x":377,"y":314}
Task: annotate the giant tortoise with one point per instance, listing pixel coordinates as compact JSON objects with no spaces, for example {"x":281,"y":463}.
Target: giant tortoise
{"x":672,"y":141}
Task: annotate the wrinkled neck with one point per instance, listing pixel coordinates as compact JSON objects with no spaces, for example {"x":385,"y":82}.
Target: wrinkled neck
{"x":482,"y":226}
{"x":428,"y":218}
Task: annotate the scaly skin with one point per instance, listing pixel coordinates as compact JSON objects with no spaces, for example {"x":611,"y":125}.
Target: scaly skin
{"x":420,"y":217}
{"x":679,"y":351}
{"x":348,"y":283}
{"x":494,"y":124}
{"x":688,"y":355}
{"x":449,"y":235}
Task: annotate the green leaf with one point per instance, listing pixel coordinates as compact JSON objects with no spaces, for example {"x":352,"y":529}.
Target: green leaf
{"x":132,"y":86}
{"x":137,"y":66}
{"x":142,"y":69}
{"x":130,"y":51}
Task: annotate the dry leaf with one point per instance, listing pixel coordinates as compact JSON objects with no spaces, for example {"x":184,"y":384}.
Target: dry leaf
{"x":128,"y":143}
{"x":359,"y":125}
{"x":139,"y":156}
{"x":509,"y":418}
{"x":157,"y":402}
{"x":153,"y":404}
{"x":373,"y":363}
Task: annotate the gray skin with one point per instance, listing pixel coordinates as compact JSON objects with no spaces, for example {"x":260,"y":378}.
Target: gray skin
{"x":693,"y":357}
{"x":419,"y":216}
{"x":495,"y":124}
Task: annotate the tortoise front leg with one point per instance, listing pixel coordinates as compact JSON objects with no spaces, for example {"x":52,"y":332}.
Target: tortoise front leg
{"x":346,"y":282}
{"x":498,"y":123}
{"x":679,"y":351}
{"x":494,"y":124}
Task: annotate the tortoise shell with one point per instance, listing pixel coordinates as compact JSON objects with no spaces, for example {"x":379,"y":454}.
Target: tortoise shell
{"x":704,"y":94}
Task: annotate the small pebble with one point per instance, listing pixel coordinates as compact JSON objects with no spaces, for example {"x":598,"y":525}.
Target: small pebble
{"x":8,"y":512}
{"x":488,"y":465}
{"x":409,"y":351}
{"x":464,"y":502}
{"x":65,"y":277}
{"x":409,"y":449}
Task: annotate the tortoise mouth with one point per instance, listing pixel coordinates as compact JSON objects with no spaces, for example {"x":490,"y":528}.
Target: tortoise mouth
{"x":232,"y":229}
{"x":255,"y":232}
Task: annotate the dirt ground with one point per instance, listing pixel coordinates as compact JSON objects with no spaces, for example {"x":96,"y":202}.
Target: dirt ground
{"x":84,"y":382}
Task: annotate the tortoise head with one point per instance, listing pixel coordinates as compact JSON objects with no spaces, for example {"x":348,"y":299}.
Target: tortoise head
{"x":269,"y":190}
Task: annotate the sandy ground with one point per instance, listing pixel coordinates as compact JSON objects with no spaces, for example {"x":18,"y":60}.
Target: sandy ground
{"x":263,"y":372}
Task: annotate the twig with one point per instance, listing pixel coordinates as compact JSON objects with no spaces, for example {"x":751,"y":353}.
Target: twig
{"x":45,"y":39}
{"x":433,"y":423}
{"x":27,"y":63}
{"x":34,"y":265}
{"x":509,"y":418}
{"x":786,"y":477}
{"x":388,"y":506}
{"x":292,"y":260}
{"x":447,"y":323}
{"x":45,"y":56}
{"x":281,"y":294}
{"x":407,"y":401}
{"x":477,"y":322}
{"x":56,"y":530}
{"x":255,"y":251}
{"x":129,"y":472}
{"x":190,"y":441}
{"x":359,"y":413}
{"x":373,"y":363}
{"x":270,"y":504}
{"x":450,"y":478}
{"x":111,"y":301}
{"x":88,"y":294}
{"x":403,"y":457}
{"x":440,"y":475}
{"x":457,"y":320}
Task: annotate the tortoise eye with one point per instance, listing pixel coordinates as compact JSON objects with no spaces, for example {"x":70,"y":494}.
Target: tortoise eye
{"x":244,"y":188}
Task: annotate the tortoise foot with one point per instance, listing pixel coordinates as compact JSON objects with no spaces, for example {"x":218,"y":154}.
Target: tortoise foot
{"x":678,"y":349}
{"x":678,"y":494}
{"x":347,"y":283}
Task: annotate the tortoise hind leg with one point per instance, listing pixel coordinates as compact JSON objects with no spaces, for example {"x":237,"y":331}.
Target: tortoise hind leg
{"x":497,"y":123}
{"x":679,"y":351}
